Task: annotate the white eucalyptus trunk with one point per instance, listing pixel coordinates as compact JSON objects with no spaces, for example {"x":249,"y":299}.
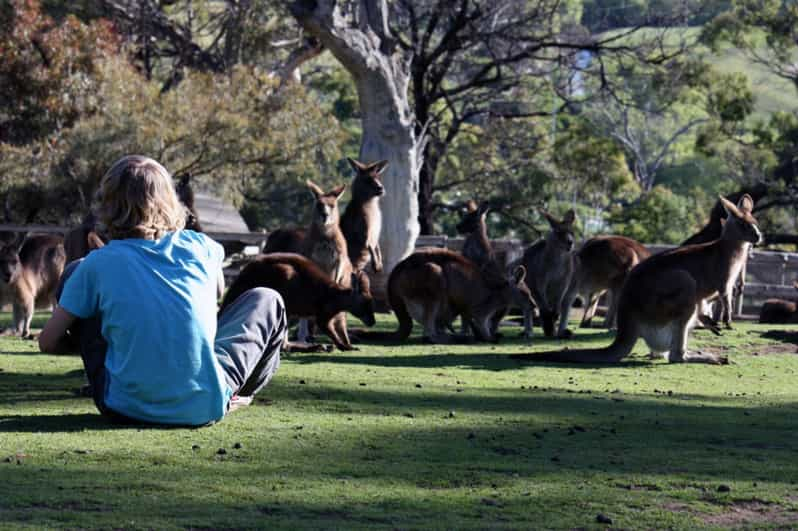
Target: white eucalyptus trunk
{"x":356,"y":32}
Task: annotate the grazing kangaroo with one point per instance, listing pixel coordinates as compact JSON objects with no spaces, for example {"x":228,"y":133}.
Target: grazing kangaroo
{"x":478,"y":248}
{"x":308,"y":292}
{"x":29,"y":275}
{"x":779,"y":311}
{"x":661,"y":298}
{"x":600,"y":265}
{"x":433,"y":286}
{"x":548,"y":264}
{"x":362,"y":220}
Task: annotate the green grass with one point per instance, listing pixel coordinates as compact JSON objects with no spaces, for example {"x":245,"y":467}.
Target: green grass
{"x":421,"y":436}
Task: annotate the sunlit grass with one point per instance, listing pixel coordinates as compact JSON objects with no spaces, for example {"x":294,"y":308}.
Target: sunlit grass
{"x":420,"y":436}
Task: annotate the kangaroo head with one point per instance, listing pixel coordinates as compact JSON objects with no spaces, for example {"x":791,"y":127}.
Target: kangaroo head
{"x":363,"y":302}
{"x":740,"y":224}
{"x":9,"y":263}
{"x":473,"y":219}
{"x":562,"y":231}
{"x":325,"y":209}
{"x":368,"y":179}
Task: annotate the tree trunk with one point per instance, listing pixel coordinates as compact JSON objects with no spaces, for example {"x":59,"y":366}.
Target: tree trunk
{"x":357,"y":35}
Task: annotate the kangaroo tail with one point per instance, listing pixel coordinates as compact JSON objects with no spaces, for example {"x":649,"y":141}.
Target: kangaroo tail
{"x":399,"y":308}
{"x":619,"y":349}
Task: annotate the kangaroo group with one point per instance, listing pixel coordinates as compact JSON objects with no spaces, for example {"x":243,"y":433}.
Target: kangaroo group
{"x":322,"y":272}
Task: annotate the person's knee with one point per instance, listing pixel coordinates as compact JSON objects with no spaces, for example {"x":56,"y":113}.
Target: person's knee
{"x":269,"y":302}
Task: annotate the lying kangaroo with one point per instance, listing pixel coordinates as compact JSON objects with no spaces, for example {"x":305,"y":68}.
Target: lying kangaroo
{"x":661,"y":298}
{"x":478,"y":248}
{"x":433,"y":286}
{"x":362,"y":220}
{"x":548,"y":265}
{"x":29,"y":275}
{"x":779,"y":311}
{"x":308,"y":292}
{"x":600,"y":265}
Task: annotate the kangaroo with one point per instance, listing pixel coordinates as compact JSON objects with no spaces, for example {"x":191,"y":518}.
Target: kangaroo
{"x":548,"y":265}
{"x":433,"y":286}
{"x":600,"y":265}
{"x":661,"y":298}
{"x":711,"y":231}
{"x":779,"y":311}
{"x":478,"y":248}
{"x":362,"y":220}
{"x":326,"y":246}
{"x":29,"y":275}
{"x":308,"y":292}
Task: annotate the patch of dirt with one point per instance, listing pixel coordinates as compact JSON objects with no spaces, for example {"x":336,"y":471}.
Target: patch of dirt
{"x":751,"y":512}
{"x":758,"y":350}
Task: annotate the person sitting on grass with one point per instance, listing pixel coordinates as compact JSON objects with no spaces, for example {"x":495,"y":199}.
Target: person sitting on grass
{"x":143,"y":311}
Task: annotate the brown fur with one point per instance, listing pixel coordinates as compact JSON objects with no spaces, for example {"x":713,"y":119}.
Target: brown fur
{"x":433,"y":286}
{"x":662,"y":295}
{"x":308,"y":292}
{"x":326,"y":246}
{"x":285,"y":241}
{"x":478,"y":248}
{"x":548,"y":265}
{"x":29,"y":277}
{"x":362,"y":220}
{"x":779,"y":311}
{"x":600,"y":265}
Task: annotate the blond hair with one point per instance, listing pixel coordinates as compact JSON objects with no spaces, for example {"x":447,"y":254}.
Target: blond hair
{"x":136,"y":199}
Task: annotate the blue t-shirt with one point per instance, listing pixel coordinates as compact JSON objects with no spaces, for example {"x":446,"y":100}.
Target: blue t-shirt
{"x":157,"y":302}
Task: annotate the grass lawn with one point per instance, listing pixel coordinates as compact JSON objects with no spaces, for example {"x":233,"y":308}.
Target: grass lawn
{"x":421,"y":436}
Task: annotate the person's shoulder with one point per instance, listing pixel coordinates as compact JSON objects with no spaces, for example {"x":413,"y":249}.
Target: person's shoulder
{"x":200,"y":239}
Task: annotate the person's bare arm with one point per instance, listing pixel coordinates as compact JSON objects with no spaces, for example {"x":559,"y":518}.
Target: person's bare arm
{"x":53,"y":339}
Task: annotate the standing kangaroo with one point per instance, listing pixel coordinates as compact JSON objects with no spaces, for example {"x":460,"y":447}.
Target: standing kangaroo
{"x":600,"y":265}
{"x":362,"y":220}
{"x":478,"y":248}
{"x":661,"y":298}
{"x":29,"y":276}
{"x":307,"y":291}
{"x":433,"y":286}
{"x":326,"y":246}
{"x":548,"y":264}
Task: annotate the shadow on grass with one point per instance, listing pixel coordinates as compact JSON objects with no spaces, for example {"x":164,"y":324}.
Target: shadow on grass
{"x":476,"y":361}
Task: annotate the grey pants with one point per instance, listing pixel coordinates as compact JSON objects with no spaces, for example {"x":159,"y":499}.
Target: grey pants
{"x":250,"y":333}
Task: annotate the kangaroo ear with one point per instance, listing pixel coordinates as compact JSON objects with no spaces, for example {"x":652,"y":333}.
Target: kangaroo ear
{"x":379,"y":167}
{"x":746,"y":204}
{"x":357,"y":166}
{"x":315,"y":190}
{"x":519,"y":274}
{"x":730,"y":208}
{"x":569,"y":217}
{"x":19,"y":241}
{"x":338,"y":191}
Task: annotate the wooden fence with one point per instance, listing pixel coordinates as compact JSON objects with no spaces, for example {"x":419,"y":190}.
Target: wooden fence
{"x":769,"y":273}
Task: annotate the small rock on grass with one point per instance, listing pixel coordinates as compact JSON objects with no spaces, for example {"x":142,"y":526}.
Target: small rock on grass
{"x":237,"y":446}
{"x":603,"y":519}
{"x":724,"y":488}
{"x":221,"y":451}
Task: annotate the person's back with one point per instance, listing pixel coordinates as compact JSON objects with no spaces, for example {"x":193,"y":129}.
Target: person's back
{"x":145,"y":307}
{"x":157,"y":299}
